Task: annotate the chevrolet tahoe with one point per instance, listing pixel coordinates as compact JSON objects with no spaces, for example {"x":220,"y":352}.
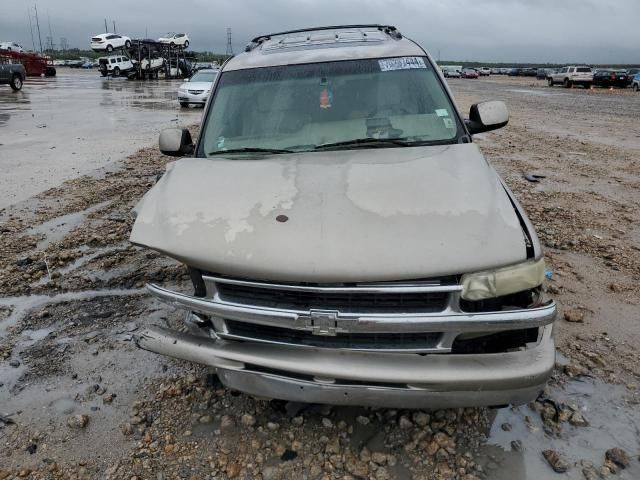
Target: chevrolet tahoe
{"x":346,"y":239}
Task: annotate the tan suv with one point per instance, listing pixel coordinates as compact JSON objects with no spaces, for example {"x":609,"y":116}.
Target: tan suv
{"x":347,"y":241}
{"x":572,"y":75}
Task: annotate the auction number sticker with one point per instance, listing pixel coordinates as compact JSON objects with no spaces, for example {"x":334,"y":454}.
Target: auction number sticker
{"x":401,"y":63}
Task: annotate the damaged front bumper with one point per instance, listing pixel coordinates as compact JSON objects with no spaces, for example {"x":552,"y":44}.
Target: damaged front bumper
{"x":429,"y":374}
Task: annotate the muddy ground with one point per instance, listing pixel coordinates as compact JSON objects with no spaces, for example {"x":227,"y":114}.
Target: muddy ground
{"x":78,"y":400}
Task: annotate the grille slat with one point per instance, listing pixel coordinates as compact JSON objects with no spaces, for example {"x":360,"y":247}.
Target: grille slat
{"x":355,"y":341}
{"x":350,"y":302}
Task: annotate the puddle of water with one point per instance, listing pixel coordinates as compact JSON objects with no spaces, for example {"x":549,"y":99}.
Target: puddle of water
{"x":614,"y":421}
{"x":83,"y":260}
{"x":534,"y":92}
{"x":57,"y":228}
{"x":22,"y":305}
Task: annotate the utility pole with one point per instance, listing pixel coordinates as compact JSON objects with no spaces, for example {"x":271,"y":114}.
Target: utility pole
{"x":106,"y":30}
{"x":114,"y":26}
{"x":63,"y":44}
{"x":33,"y":43}
{"x":229,"y":44}
{"x":50,"y":45}
{"x":38,"y":26}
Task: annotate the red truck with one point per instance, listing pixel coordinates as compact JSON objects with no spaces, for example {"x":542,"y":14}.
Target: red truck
{"x":34,"y":64}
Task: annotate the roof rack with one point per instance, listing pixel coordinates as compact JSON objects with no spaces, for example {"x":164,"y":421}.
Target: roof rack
{"x":388,"y":29}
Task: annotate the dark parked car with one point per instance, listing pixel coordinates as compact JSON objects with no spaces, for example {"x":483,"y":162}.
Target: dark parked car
{"x":469,"y":73}
{"x":515,"y":72}
{"x":12,"y":74}
{"x":543,"y":73}
{"x":611,"y":78}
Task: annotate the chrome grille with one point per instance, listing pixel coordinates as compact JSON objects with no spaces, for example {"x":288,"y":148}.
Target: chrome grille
{"x":344,"y":302}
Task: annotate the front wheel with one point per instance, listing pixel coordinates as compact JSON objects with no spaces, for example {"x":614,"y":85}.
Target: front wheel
{"x":186,"y":44}
{"x":550,"y":82}
{"x":116,"y":72}
{"x":567,"y":83}
{"x":127,"y":44}
{"x":109,"y":48}
{"x":636,"y":87}
{"x":16,"y":83}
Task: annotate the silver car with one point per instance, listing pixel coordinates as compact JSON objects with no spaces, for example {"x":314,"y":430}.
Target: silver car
{"x":195,"y":91}
{"x":346,"y":239}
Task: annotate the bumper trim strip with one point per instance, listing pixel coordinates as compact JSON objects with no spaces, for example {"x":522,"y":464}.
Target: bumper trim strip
{"x":448,"y":320}
{"x":495,"y":371}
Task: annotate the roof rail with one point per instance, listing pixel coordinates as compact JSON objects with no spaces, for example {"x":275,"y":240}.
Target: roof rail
{"x":388,"y":29}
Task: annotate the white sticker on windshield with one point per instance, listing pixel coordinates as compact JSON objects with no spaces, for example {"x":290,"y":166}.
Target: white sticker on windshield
{"x":448,"y":123}
{"x":442,"y":112}
{"x":402,"y":63}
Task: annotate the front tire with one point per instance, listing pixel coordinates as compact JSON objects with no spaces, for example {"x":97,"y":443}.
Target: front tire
{"x":636,"y":87}
{"x":109,"y":48}
{"x":186,"y":44}
{"x":567,"y":83}
{"x":116,"y":72}
{"x":127,"y":44}
{"x":16,"y":83}
{"x":550,"y":82}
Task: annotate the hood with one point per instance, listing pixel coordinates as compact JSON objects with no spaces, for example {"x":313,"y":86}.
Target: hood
{"x":342,"y":216}
{"x":196,"y":85}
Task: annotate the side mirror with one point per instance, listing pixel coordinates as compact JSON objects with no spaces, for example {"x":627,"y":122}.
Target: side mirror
{"x":486,"y":116}
{"x":176,"y":142}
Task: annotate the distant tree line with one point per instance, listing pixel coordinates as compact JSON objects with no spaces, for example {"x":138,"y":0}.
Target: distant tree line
{"x":205,"y":56}
{"x":76,"y":53}
{"x":531,"y":65}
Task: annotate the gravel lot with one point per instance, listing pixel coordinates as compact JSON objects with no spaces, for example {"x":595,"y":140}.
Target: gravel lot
{"x":78,"y":400}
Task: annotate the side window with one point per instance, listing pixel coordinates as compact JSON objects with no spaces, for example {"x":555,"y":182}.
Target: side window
{"x":113,"y":60}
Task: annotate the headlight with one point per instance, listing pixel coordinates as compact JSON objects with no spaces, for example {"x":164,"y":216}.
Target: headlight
{"x":502,"y":281}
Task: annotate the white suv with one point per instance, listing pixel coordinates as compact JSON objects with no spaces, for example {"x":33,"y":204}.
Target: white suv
{"x":173,"y":39}
{"x":11,"y":46}
{"x":572,"y":75}
{"x":109,"y":42}
{"x":115,"y":65}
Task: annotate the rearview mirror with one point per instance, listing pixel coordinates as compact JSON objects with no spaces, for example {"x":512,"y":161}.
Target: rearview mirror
{"x":176,"y":142}
{"x":486,"y":116}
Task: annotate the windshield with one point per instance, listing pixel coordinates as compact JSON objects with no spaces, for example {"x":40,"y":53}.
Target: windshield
{"x":306,"y":107}
{"x":204,"y":77}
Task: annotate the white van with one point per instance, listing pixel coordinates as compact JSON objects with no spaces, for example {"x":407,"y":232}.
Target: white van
{"x":114,"y":65}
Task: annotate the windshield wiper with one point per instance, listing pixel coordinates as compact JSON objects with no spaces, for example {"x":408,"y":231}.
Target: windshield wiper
{"x":369,"y":142}
{"x":251,"y":150}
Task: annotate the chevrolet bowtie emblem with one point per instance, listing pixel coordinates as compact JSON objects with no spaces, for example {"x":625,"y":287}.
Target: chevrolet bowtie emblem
{"x":323,"y":322}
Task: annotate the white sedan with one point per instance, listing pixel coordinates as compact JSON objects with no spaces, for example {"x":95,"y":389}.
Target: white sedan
{"x":179,"y":39}
{"x":196,"y":90}
{"x":109,"y":42}
{"x":11,"y":46}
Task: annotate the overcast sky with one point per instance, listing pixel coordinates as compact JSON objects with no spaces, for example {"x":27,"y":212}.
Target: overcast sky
{"x":592,"y":31}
